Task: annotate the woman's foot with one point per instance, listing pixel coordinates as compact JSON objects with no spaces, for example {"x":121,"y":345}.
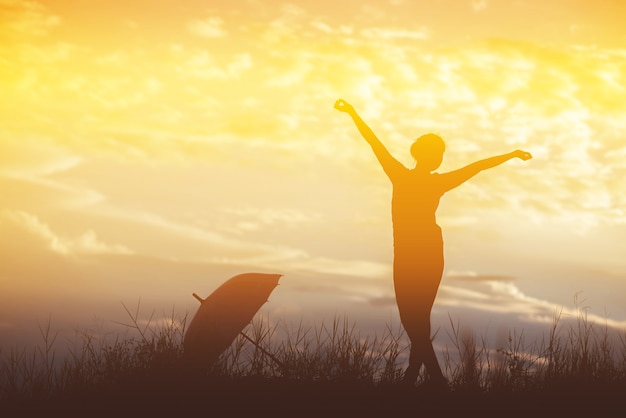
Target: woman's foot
{"x":410,"y":375}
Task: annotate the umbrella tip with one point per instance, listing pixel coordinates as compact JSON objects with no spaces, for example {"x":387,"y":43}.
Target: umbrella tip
{"x":198,"y":297}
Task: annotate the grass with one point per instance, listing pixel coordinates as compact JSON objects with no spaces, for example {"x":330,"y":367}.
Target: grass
{"x":309,"y":369}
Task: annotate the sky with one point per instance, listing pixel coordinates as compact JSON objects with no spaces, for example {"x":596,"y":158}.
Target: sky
{"x":153,"y":149}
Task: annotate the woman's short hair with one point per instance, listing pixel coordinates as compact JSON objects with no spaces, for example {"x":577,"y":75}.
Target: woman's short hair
{"x":428,"y":146}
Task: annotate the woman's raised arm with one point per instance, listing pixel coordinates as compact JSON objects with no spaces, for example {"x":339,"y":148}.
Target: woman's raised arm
{"x":455,"y":178}
{"x":387,"y":161}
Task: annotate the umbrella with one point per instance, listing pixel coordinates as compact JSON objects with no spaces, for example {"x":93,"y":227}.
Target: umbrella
{"x":224,"y":314}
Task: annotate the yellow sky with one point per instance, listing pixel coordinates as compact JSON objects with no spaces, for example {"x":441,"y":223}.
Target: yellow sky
{"x":154,"y":149}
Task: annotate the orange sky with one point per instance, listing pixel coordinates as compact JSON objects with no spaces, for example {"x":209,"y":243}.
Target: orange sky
{"x":153,"y":149}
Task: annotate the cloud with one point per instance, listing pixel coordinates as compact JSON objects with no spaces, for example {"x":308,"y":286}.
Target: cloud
{"x":505,"y":298}
{"x":456,"y":221}
{"x":391,"y":34}
{"x":203,"y":243}
{"x":474,"y":277}
{"x":353,"y":268}
{"x":329,"y":29}
{"x":87,"y":243}
{"x":205,"y":66}
{"x":25,"y":18}
{"x":382,"y":301}
{"x":317,"y":288}
{"x":35,"y":156}
{"x":479,"y":5}
{"x":255,"y":218}
{"x":211,"y":27}
{"x":31,"y":192}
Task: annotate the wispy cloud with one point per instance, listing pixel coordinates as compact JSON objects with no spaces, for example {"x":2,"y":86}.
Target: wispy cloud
{"x":86,"y":243}
{"x":27,"y":18}
{"x":474,"y":277}
{"x":36,"y":156}
{"x":353,"y":268}
{"x":505,"y":298}
{"x":211,"y":27}
{"x":256,"y":218}
{"x":203,"y":65}
{"x":390,"y":34}
{"x":478,"y":5}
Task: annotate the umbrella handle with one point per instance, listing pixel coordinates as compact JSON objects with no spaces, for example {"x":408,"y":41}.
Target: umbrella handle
{"x":264,"y":351}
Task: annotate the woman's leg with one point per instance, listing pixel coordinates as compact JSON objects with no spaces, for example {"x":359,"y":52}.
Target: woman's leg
{"x":432,"y":364}
{"x":415,"y":296}
{"x":415,"y":363}
{"x":417,"y":270}
{"x":417,"y":327}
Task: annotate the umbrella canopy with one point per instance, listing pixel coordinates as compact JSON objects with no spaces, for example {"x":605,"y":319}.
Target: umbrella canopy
{"x":224,"y":314}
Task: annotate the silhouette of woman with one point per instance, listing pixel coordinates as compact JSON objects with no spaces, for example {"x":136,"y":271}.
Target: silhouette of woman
{"x":417,"y":239}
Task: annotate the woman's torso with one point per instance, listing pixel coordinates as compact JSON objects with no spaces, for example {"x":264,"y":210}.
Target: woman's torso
{"x":414,"y":205}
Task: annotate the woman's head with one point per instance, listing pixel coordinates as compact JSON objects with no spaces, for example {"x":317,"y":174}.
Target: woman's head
{"x":427,"y":150}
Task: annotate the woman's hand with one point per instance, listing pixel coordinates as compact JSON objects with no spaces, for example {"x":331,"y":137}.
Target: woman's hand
{"x":522,"y":155}
{"x":343,"y":106}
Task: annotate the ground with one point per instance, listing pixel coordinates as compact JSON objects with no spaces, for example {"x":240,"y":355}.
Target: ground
{"x":282,"y":397}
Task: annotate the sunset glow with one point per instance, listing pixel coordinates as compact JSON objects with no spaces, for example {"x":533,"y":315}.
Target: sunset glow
{"x":152,"y":149}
